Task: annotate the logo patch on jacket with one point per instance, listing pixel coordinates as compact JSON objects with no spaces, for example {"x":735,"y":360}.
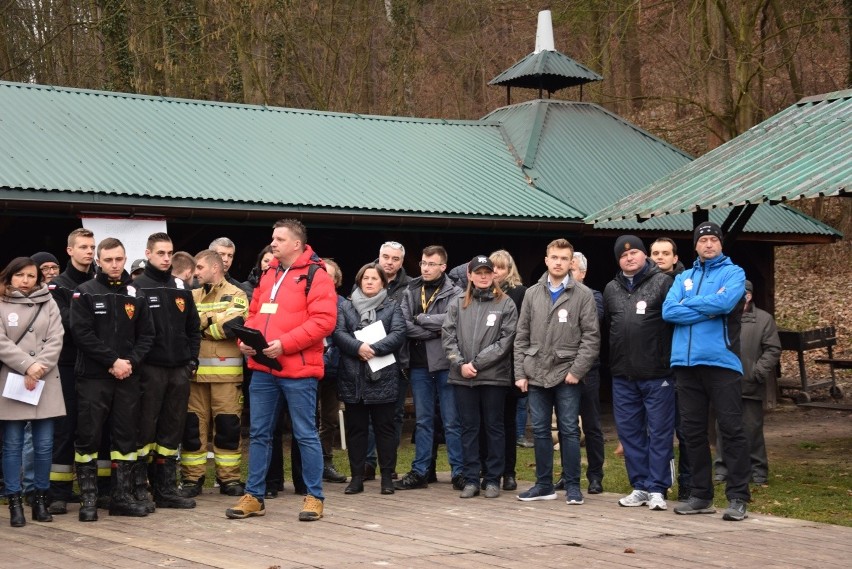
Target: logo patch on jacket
{"x":181,"y":304}
{"x":130,"y":309}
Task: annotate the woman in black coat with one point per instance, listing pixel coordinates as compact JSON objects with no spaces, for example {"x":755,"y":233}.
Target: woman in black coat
{"x":370,"y":396}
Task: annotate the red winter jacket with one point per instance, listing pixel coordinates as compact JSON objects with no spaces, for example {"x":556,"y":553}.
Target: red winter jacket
{"x":300,"y":322}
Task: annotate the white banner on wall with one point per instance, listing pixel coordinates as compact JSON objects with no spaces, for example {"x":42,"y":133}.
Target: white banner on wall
{"x":133,"y":233}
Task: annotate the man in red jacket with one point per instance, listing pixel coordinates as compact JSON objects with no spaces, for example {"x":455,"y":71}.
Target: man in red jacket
{"x":295,"y":307}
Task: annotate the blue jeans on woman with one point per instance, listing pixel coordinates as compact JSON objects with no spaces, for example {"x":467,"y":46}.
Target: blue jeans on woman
{"x":265,"y":392}
{"x":13,"y":447}
{"x":565,"y":399}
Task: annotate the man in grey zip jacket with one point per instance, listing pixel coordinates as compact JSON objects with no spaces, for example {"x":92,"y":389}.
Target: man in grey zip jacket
{"x":424,"y":306}
{"x":557,"y":343}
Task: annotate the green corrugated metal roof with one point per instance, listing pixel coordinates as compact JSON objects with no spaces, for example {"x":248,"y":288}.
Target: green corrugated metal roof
{"x":111,"y":144}
{"x":766,"y":220}
{"x":541,"y":161}
{"x":549,"y":70}
{"x":588,"y":157}
{"x":584,"y":155}
{"x":802,"y":152}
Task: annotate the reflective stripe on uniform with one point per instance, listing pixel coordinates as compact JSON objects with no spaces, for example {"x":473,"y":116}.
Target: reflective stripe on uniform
{"x":211,"y":306}
{"x":220,"y":362}
{"x":229,"y":370}
{"x":227,"y":459}
{"x":116,"y":455}
{"x":145,"y":450}
{"x":193,"y":458}
{"x":85,"y":458}
{"x":61,"y":473}
{"x":104,"y":468}
{"x":165,"y":451}
{"x":220,"y":366}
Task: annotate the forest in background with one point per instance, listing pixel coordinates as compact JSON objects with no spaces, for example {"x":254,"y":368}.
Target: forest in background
{"x":695,"y":72}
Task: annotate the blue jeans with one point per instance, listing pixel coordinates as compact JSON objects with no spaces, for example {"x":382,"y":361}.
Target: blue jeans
{"x":565,"y":399}
{"x":521,"y":417}
{"x":13,"y":447}
{"x":429,"y":388}
{"x":644,"y":411}
{"x":28,"y":474}
{"x":300,"y":394}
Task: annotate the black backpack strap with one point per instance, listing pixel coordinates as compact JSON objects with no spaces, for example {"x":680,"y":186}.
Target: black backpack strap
{"x":312,"y":269}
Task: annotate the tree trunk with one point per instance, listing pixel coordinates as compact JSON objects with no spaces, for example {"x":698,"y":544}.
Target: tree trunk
{"x":632,"y":59}
{"x":719,"y":100}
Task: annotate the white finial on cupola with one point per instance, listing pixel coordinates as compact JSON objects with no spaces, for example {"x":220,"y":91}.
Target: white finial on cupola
{"x":544,"y":33}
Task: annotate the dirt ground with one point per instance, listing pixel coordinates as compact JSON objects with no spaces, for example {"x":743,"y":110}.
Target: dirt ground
{"x":787,"y":426}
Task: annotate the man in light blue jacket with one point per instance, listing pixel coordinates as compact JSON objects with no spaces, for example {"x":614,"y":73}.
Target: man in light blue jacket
{"x":703,"y":305}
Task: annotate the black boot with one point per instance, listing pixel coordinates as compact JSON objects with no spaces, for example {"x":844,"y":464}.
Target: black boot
{"x":17,"y":519}
{"x":122,"y":502}
{"x":165,"y":486}
{"x":87,"y":478}
{"x":139,"y":473}
{"x":40,"y":513}
{"x":355,"y":486}
{"x":387,"y":482}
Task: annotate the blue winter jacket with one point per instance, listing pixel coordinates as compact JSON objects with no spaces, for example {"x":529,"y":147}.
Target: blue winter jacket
{"x":702,"y":304}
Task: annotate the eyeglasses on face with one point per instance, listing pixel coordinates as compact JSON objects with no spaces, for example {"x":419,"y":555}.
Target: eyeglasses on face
{"x":49,"y":268}
{"x":430,"y":265}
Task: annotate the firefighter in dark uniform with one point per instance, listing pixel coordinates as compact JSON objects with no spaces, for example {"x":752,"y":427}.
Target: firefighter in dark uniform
{"x":166,"y":374}
{"x":81,"y":250}
{"x":113,"y":332}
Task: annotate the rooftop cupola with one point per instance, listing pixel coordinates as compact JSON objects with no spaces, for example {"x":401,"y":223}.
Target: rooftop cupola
{"x":545,"y":68}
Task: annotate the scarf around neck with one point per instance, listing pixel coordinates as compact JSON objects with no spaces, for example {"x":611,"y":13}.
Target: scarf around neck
{"x":367,"y":305}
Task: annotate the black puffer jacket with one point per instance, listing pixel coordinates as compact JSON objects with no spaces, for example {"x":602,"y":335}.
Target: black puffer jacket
{"x":62,"y":288}
{"x":640,"y":341}
{"x":175,"y":317}
{"x":108,"y":322}
{"x":355,"y":382}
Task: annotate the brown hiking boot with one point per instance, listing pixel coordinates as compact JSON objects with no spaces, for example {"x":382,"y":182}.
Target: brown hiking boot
{"x":247,"y":507}
{"x":311,"y":509}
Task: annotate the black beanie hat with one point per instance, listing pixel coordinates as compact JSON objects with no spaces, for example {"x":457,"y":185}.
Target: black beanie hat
{"x":626,"y":243}
{"x":43,"y":257}
{"x":706,"y":228}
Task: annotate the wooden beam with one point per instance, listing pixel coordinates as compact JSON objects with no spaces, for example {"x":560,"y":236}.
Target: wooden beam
{"x":740,"y":222}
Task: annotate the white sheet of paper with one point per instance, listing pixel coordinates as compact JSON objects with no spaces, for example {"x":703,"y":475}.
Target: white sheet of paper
{"x":372,"y":334}
{"x":17,"y":390}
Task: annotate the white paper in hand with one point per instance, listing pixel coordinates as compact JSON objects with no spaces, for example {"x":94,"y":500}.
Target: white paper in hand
{"x":370,"y":335}
{"x":16,"y":389}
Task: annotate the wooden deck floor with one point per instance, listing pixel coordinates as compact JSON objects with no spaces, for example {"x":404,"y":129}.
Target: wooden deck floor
{"x":424,"y":528}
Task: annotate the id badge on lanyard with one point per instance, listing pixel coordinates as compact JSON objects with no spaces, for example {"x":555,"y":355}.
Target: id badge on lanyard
{"x":271,"y":307}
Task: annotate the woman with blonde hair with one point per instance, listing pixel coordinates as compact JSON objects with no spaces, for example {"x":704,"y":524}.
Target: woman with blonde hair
{"x":506,"y":275}
{"x":30,"y":341}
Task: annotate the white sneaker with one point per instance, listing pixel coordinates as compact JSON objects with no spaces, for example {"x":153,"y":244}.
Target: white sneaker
{"x":656,"y":501}
{"x":634,"y":499}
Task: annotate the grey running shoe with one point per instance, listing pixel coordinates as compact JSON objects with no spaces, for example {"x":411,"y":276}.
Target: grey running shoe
{"x":695,"y":506}
{"x":736,"y":510}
